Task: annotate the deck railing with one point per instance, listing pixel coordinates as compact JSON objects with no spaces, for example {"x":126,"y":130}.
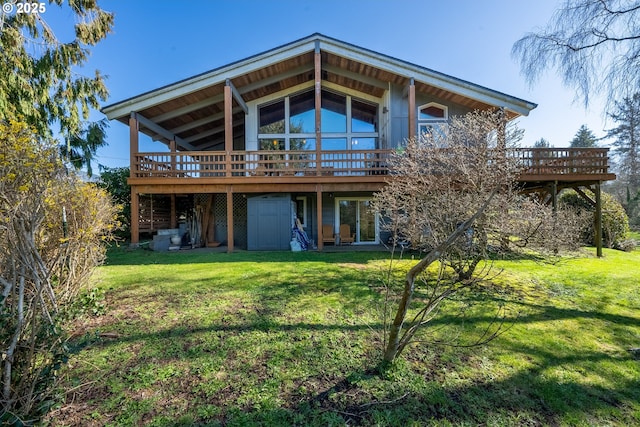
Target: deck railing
{"x":208,"y":164}
{"x":562,"y":161}
{"x":215,"y":164}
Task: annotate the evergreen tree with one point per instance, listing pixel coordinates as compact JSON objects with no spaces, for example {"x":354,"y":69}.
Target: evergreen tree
{"x":541,"y":143}
{"x":39,"y":80}
{"x":584,"y":138}
{"x":80,"y":149}
{"x":627,"y":139}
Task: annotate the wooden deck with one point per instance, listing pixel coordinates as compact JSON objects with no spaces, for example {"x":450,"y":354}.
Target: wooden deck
{"x":368,"y":168}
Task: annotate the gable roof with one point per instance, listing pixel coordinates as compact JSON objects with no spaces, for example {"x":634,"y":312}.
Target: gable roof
{"x":192,"y":109}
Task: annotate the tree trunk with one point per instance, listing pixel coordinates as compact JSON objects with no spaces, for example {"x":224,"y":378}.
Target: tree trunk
{"x":394,"y":344}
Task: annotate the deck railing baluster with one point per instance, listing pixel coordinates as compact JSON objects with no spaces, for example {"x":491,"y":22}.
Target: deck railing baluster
{"x":213,"y":164}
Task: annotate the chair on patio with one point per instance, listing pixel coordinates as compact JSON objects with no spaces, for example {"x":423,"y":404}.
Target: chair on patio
{"x":328,"y":235}
{"x":345,"y":234}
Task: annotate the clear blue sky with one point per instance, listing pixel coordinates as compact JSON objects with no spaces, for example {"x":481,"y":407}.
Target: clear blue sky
{"x":158,"y":42}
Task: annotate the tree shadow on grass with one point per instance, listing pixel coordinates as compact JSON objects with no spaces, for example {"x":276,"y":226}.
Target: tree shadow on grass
{"x":356,"y":396}
{"x":526,"y":398}
{"x":125,"y":256}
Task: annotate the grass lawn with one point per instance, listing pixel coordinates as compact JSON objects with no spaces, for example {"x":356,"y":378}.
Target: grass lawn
{"x":283,"y":338}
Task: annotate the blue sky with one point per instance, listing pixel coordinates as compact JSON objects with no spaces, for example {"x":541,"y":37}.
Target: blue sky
{"x":158,"y":42}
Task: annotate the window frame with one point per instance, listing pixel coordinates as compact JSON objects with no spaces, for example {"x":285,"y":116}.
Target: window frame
{"x":349,"y":135}
{"x":444,"y":109}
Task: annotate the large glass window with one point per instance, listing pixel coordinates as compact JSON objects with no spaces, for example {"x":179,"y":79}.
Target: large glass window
{"x":272,"y":144}
{"x":271,"y":118}
{"x":347,"y":123}
{"x":363,"y":143}
{"x":302,"y":113}
{"x":334,"y":144}
{"x":334,"y":112}
{"x":302,"y":144}
{"x":364,"y":116}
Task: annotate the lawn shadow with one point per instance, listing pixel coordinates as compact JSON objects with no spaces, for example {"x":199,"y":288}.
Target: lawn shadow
{"x":127,"y":256}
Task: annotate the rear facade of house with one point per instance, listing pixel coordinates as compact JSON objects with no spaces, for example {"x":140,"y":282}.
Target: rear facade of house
{"x":295,"y":139}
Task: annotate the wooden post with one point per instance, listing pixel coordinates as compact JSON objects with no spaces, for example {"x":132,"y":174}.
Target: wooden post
{"x":133,"y":145}
{"x":133,"y":165}
{"x":412,"y":109}
{"x":598,"y":220}
{"x":554,"y":196}
{"x":229,"y":220}
{"x":135,"y":217}
{"x":502,"y":130}
{"x":317,"y":63}
{"x":173,"y":162}
{"x":228,"y":127}
{"x":173,"y":221}
{"x":319,"y":215}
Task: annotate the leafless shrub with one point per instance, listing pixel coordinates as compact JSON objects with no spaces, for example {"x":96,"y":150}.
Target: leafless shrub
{"x":454,"y":197}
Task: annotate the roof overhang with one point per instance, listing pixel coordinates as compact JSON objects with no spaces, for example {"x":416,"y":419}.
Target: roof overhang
{"x":191,"y":110}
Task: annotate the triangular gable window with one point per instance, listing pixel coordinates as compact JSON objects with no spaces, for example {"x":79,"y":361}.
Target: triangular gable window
{"x":433,"y":112}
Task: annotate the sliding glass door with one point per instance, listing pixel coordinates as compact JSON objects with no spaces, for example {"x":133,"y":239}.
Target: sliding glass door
{"x":359,"y":215}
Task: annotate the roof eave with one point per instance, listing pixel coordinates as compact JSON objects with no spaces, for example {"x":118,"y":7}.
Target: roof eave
{"x":470,"y":90}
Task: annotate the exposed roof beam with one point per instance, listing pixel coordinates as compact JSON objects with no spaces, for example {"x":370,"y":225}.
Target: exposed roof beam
{"x":237,"y":96}
{"x":208,"y":133}
{"x":194,"y":124}
{"x":203,"y":121}
{"x":281,"y":76}
{"x":188,"y":108}
{"x":211,"y":145}
{"x":205,"y":134}
{"x":355,"y":76}
{"x":427,"y":76}
{"x":219,"y":98}
{"x":154,"y":127}
{"x":210,"y":78}
{"x":302,"y":47}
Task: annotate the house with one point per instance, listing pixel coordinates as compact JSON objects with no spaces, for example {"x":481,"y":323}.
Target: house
{"x":301,"y":131}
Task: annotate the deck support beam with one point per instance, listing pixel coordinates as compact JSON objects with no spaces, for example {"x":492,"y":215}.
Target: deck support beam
{"x":135,"y":217}
{"x":173,"y":221}
{"x":159,"y":130}
{"x":502,"y":130}
{"x":319,"y":215}
{"x":237,"y":96}
{"x":134,"y":147}
{"x":598,"y":220}
{"x":228,"y":128}
{"x":412,"y":108}
{"x":229,"y":219}
{"x":317,"y":67}
{"x":596,"y":202}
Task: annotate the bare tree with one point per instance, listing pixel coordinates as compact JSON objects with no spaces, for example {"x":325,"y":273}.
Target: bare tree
{"x":454,"y":198}
{"x":593,"y":44}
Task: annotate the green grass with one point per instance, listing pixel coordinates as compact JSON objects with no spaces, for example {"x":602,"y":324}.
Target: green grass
{"x":295,"y":339}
